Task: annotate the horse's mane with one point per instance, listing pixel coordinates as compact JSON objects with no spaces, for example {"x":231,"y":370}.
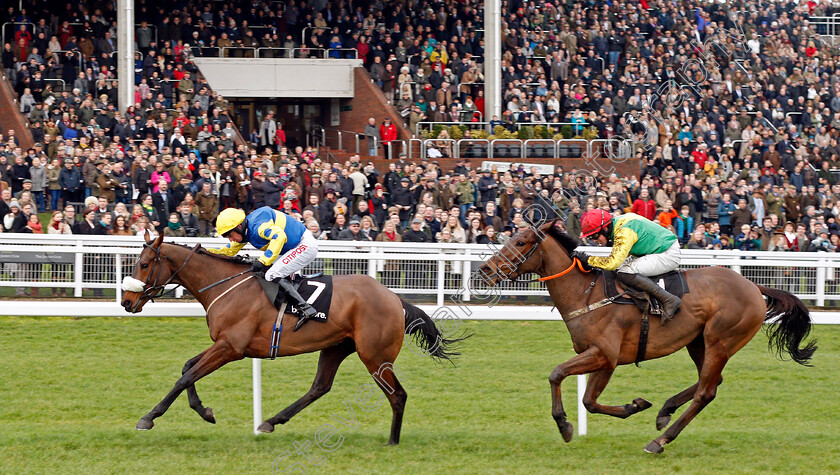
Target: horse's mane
{"x":565,"y":239}
{"x":204,"y":252}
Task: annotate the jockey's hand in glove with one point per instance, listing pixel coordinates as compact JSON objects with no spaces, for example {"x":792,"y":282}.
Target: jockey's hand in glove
{"x":258,"y":267}
{"x":583,"y":258}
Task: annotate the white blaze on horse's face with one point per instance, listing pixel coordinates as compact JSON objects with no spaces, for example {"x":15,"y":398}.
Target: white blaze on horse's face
{"x":134,"y":286}
{"x":130,"y":284}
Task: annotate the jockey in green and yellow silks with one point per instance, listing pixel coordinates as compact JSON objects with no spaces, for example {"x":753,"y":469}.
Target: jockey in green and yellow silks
{"x":640,"y":248}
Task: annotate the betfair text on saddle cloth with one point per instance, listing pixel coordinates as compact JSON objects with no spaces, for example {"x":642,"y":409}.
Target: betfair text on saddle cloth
{"x":286,"y":244}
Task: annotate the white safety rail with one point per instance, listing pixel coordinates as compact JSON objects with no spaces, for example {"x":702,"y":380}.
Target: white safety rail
{"x":440,"y":270}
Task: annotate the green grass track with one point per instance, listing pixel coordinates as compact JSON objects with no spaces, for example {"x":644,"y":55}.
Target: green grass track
{"x":72,"y":390}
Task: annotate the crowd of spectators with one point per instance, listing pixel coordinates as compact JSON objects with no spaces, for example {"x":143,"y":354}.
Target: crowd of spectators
{"x":745,"y":164}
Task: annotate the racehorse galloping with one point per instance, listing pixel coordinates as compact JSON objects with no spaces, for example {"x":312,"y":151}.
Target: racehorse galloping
{"x":721,"y":313}
{"x":365,"y":317}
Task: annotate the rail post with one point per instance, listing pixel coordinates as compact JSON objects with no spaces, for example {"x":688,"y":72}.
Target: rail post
{"x":77,"y":269}
{"x":581,"y":389}
{"x":118,"y":277}
{"x":256,"y":379}
{"x":821,"y":274}
{"x":441,"y":272}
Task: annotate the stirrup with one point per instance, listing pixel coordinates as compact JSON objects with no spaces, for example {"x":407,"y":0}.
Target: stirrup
{"x":306,"y":312}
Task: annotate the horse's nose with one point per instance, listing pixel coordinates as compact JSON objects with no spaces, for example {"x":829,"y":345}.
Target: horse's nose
{"x":126,"y":304}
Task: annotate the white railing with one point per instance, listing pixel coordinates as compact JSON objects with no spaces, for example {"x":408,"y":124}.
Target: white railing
{"x":440,"y":270}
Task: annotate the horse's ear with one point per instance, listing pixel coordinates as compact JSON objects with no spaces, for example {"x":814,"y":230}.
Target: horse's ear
{"x":147,"y":236}
{"x":548,"y":225}
{"x":158,"y":241}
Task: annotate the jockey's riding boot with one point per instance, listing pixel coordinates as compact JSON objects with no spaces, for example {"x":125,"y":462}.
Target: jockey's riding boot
{"x":307,"y":311}
{"x":670,"y":302}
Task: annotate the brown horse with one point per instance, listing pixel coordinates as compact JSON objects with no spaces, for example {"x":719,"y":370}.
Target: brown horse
{"x":720,"y":314}
{"x":365,"y":317}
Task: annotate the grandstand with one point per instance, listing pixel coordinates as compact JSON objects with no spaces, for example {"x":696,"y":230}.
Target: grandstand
{"x":703,"y":105}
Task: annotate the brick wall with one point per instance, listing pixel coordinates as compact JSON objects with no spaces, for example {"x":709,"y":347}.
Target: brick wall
{"x":368,"y":101}
{"x":10,"y":116}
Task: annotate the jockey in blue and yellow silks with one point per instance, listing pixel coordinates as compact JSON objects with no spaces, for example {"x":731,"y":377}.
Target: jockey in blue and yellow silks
{"x":286,"y":244}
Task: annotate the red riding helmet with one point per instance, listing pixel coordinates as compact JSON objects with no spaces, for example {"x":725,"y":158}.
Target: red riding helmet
{"x":594,"y":222}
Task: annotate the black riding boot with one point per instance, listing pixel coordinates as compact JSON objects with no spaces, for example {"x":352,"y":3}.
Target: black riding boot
{"x":670,"y":302}
{"x":307,"y":311}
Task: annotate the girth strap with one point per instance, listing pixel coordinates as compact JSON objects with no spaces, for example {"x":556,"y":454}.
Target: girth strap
{"x":276,"y":332}
{"x":643,"y":338}
{"x":593,"y":307}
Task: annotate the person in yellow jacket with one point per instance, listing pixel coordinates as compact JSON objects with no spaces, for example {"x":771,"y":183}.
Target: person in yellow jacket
{"x":640,"y":248}
{"x":286,"y":244}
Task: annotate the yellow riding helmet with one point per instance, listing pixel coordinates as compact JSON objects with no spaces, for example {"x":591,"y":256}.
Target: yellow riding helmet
{"x":229,"y":219}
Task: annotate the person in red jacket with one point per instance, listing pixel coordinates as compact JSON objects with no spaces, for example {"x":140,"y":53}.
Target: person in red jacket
{"x":388,"y":132}
{"x":644,"y":205}
{"x":699,"y":156}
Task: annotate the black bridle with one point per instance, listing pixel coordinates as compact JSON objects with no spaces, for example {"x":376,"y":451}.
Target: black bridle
{"x":152,"y":290}
{"x":508,"y":264}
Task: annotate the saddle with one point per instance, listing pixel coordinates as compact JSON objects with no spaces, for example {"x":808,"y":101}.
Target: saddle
{"x":317,"y":289}
{"x":674,"y":282}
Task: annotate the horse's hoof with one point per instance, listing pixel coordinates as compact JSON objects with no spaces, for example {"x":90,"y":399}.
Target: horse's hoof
{"x":654,"y":448}
{"x":662,"y":422}
{"x":145,"y":424}
{"x":209,"y":416}
{"x":265,"y":427}
{"x":567,"y":430}
{"x":641,"y":404}
{"x":391,"y":443}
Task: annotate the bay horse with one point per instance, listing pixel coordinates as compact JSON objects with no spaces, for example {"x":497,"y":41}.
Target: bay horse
{"x":720,"y":314}
{"x":365,"y":317}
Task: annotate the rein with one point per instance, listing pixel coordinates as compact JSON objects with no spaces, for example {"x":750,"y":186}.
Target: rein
{"x":575,"y":261}
{"x":224,"y":280}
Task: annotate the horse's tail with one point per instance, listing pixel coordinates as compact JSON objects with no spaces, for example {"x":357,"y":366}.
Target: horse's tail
{"x":793,"y":325}
{"x":425,"y":334}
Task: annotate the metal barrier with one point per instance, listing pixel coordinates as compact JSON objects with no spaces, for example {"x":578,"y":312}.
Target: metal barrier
{"x":449,"y":146}
{"x":76,"y":52}
{"x":571,"y":148}
{"x":287,"y":52}
{"x":309,"y":52}
{"x":539,"y":148}
{"x":473,"y":148}
{"x":100,"y":262}
{"x":340,"y":55}
{"x":506,"y":148}
{"x":3,"y":29}
{"x":340,"y":138}
{"x":388,"y":147}
{"x":205,"y":51}
{"x":411,"y":148}
{"x":63,"y":84}
{"x":472,"y":125}
{"x":245,"y":49}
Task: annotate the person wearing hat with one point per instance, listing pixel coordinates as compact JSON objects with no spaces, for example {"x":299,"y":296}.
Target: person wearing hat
{"x":287,"y":247}
{"x":11,"y":217}
{"x":415,"y":275}
{"x":404,"y":199}
{"x":640,"y":248}
{"x":353,"y":232}
{"x":388,"y":132}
